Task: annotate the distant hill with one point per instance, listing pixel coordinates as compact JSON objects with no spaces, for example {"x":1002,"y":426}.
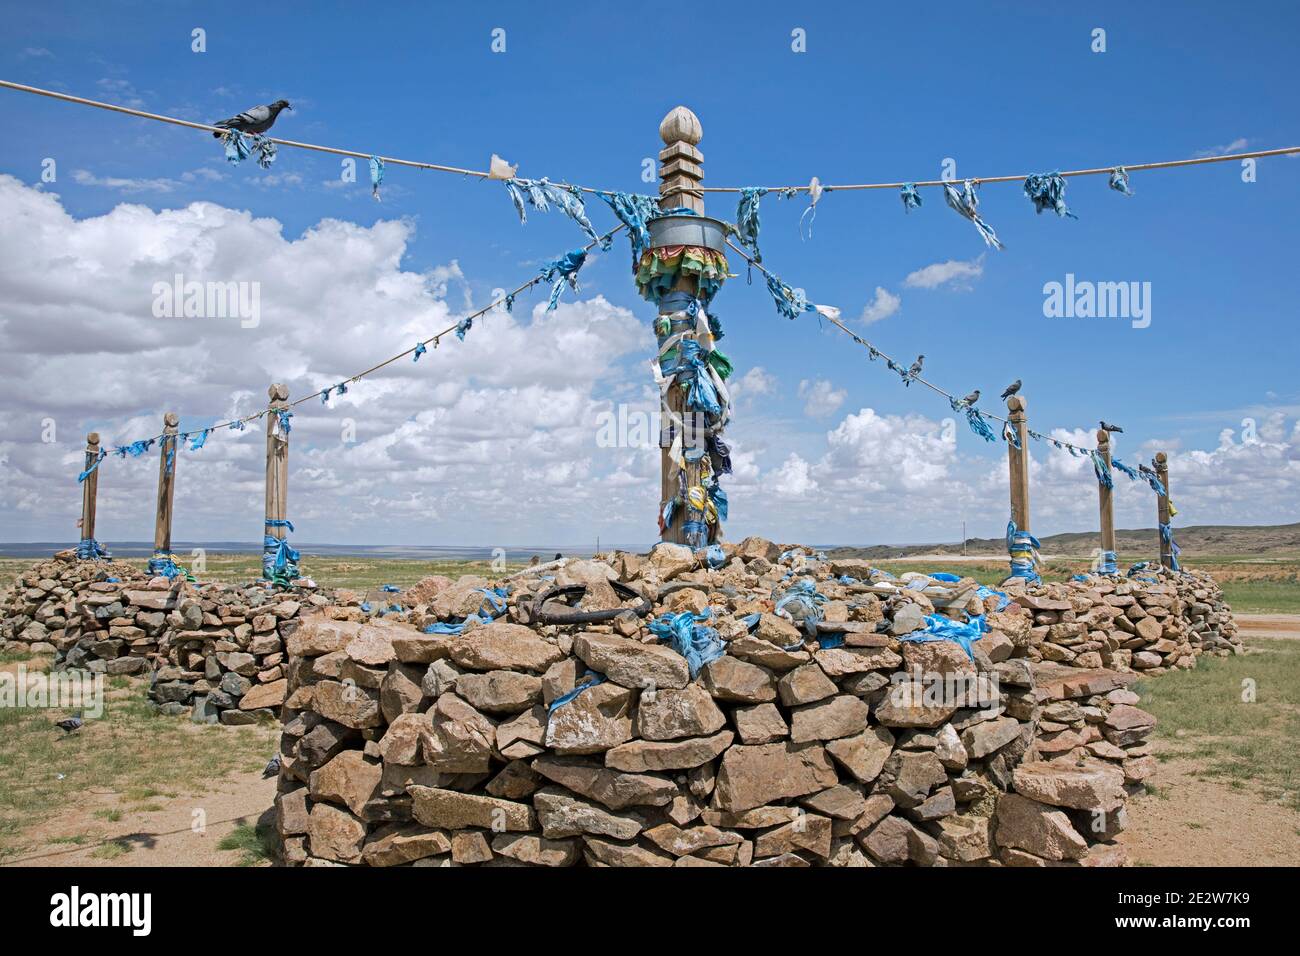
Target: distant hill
{"x":1262,"y":540}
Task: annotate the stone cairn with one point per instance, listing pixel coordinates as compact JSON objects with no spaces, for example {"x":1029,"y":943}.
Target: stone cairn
{"x":557,"y":735}
{"x":809,"y":742}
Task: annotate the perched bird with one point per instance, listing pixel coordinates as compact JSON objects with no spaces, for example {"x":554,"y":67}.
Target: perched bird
{"x":914,"y":371}
{"x":272,"y":769}
{"x":1144,"y":469}
{"x":257,"y":120}
{"x":971,"y":399}
{"x":69,"y":724}
{"x":1011,"y":389}
{"x":1110,"y":428}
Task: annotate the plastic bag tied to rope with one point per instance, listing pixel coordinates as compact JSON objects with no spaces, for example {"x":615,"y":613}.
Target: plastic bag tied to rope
{"x":747,"y":219}
{"x":279,"y":560}
{"x":1108,"y":563}
{"x":966,"y":203}
{"x":1023,"y":549}
{"x":911,"y":198}
{"x":939,"y":628}
{"x":1047,"y":191}
{"x":88,"y":549}
{"x":541,"y":194}
{"x":1130,"y":473}
{"x":562,"y":270}
{"x":634,"y":211}
{"x":376,"y":176}
{"x":1119,"y":181}
{"x":688,"y":636}
{"x":978,"y":425}
{"x":1167,"y":536}
{"x":94,"y":465}
{"x":240,"y":146}
{"x":1100,"y":470}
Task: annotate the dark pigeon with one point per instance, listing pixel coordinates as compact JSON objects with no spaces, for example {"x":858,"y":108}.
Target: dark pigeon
{"x":272,"y":769}
{"x":69,"y":724}
{"x":257,"y":120}
{"x":1110,"y":428}
{"x":1011,"y":389}
{"x":971,"y":399}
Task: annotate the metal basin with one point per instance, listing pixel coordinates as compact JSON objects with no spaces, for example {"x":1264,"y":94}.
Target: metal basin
{"x":687,"y":231}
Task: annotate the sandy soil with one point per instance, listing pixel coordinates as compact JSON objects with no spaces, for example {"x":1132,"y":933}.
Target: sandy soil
{"x":1269,"y":625}
{"x":1194,"y":821}
{"x":164,"y":837}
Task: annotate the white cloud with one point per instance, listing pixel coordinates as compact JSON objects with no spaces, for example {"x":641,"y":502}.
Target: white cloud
{"x":821,"y":398}
{"x":882,"y":306}
{"x":1236,"y":146}
{"x":954,"y":271}
{"x":792,"y":478}
{"x":754,"y":383}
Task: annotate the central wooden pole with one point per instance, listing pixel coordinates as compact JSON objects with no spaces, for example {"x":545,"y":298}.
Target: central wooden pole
{"x":681,"y":171}
{"x":1018,"y":462}
{"x":89,"y":488}
{"x":162,"y":529}
{"x":1105,"y":496}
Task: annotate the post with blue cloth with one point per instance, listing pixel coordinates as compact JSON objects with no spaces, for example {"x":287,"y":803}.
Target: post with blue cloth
{"x":1018,"y":462}
{"x":1106,"y":502}
{"x":277,"y":468}
{"x":1164,"y":511}
{"x":162,"y":527}
{"x":89,"y":489}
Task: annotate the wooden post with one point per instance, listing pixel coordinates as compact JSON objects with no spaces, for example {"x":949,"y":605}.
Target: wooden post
{"x":1018,"y":461}
{"x":162,"y":528}
{"x":277,"y":462}
{"x":89,"y":488}
{"x":1105,"y":496}
{"x":1162,"y":509}
{"x":680,"y":173}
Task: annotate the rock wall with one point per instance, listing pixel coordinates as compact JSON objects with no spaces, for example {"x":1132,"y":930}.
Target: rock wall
{"x":822,"y":737}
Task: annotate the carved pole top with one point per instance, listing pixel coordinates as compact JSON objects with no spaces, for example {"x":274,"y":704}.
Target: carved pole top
{"x":1161,"y":459}
{"x":278,"y":392}
{"x":171,"y":420}
{"x":681,"y":126}
{"x":1103,"y":437}
{"x":92,"y":438}
{"x":1015,"y":403}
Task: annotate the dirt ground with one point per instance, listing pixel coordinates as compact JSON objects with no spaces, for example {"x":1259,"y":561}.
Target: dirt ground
{"x":168,"y":836}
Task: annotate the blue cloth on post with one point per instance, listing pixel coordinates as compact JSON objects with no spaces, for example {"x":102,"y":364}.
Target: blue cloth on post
{"x":1022,"y":547}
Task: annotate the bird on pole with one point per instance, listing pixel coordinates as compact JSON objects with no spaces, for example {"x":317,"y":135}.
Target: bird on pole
{"x":915,"y":370}
{"x":1110,"y":428}
{"x":970,"y":399}
{"x":256,"y":120}
{"x":1011,"y":389}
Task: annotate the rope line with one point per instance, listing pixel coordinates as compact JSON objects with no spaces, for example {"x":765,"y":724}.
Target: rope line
{"x":400,"y":355}
{"x":863,"y":342}
{"x":483,"y":174}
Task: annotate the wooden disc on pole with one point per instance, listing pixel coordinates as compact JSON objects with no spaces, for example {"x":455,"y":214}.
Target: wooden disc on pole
{"x":162,"y":529}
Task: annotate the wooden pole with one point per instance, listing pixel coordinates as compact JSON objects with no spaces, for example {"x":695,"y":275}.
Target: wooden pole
{"x":1018,"y":462}
{"x":1105,"y":496}
{"x":681,"y":171}
{"x":162,"y":528}
{"x":89,"y":488}
{"x":1162,"y":509}
{"x":277,"y":462}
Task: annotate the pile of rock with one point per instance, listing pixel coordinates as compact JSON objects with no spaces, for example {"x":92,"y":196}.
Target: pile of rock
{"x":823,"y":735}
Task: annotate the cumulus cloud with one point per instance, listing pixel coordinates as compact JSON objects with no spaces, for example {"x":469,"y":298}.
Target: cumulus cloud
{"x":882,"y":306}
{"x":955,"y":273}
{"x":821,"y":398}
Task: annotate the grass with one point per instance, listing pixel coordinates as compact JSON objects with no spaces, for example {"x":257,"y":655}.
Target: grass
{"x":129,"y":755}
{"x":1247,"y":744}
{"x":256,"y":844}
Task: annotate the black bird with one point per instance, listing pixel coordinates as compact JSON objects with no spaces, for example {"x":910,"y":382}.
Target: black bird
{"x":971,"y":399}
{"x":1144,"y":469}
{"x":1011,"y":389}
{"x":257,"y":120}
{"x":69,"y":724}
{"x":1110,"y":428}
{"x":272,"y":769}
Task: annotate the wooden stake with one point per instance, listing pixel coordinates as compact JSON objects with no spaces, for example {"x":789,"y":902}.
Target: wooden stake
{"x":1105,"y":496}
{"x":680,"y":173}
{"x":1162,"y":508}
{"x":1018,"y":463}
{"x":162,"y":528}
{"x":277,"y":462}
{"x":89,"y":488}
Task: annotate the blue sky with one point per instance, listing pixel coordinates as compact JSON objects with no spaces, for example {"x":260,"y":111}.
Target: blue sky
{"x":883,"y":93}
